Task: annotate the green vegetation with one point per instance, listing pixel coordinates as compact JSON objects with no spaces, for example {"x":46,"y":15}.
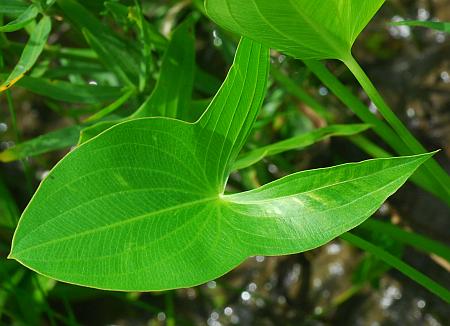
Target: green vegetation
{"x":165,"y":185}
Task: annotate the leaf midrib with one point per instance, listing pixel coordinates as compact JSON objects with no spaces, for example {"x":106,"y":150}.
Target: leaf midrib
{"x":120,"y":223}
{"x":248,"y":202}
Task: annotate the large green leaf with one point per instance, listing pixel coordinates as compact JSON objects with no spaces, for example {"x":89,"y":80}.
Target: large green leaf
{"x":142,"y":206}
{"x":31,"y":52}
{"x":302,"y":28}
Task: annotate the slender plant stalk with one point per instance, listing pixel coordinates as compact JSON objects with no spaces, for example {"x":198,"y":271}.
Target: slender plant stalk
{"x":413,"y":145}
{"x":170,"y":309}
{"x":110,"y":108}
{"x":368,"y":146}
{"x":398,"y":264}
{"x":415,"y":240}
{"x":424,"y":178}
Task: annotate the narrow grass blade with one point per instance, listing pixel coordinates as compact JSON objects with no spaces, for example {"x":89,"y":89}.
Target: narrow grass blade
{"x":173,"y":91}
{"x":111,"y":108}
{"x":68,"y":92}
{"x":20,"y":22}
{"x":52,"y":141}
{"x":400,"y":265}
{"x":413,"y":239}
{"x":300,"y":93}
{"x":297,"y":142}
{"x":9,"y":213}
{"x":115,"y":53}
{"x":422,"y":177}
{"x":13,"y":7}
{"x":439,"y":26}
{"x":31,"y":52}
{"x":434,"y":172}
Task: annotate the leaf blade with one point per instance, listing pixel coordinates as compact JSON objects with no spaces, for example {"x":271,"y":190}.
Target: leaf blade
{"x":30,"y":53}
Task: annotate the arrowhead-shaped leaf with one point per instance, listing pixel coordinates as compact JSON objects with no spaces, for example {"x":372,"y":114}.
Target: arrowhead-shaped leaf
{"x":304,"y":29}
{"x":142,"y":205}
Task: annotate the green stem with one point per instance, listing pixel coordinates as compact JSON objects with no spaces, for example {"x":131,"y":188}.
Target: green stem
{"x":368,"y":146}
{"x":381,"y":128}
{"x":413,"y":146}
{"x":415,"y":240}
{"x":170,"y":309}
{"x":398,"y":264}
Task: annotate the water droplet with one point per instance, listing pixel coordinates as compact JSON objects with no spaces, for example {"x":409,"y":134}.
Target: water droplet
{"x":93,"y":83}
{"x":445,"y":77}
{"x":401,"y":31}
{"x":440,"y":37}
{"x":245,"y":296}
{"x":41,"y":175}
{"x":281,"y":58}
{"x":323,"y":91}
{"x":272,"y":168}
{"x":3,"y":127}
{"x":260,"y":259}
{"x":336,"y":269}
{"x":214,"y":315}
{"x":217,"y":41}
{"x":421,"y":304}
{"x":228,"y":311}
{"x":373,"y":108}
{"x":423,"y":14}
{"x":252,"y":287}
{"x":410,"y":112}
{"x":333,"y":249}
{"x":161,"y":316}
{"x":211,"y":284}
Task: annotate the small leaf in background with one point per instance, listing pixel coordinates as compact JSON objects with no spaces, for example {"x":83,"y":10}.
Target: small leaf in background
{"x":52,"y":141}
{"x":24,"y":19}
{"x":9,"y":213}
{"x":297,"y":142}
{"x":141,"y":206}
{"x":115,"y":53}
{"x":69,"y":92}
{"x":13,"y":7}
{"x":439,"y":26}
{"x":31,"y":52}
{"x":172,"y":94}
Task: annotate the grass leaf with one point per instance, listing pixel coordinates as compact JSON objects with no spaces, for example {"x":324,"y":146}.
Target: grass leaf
{"x":439,"y":26}
{"x":68,"y":92}
{"x":51,"y":141}
{"x":400,"y":265}
{"x":297,"y":142}
{"x":24,"y":19}
{"x":30,"y":54}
